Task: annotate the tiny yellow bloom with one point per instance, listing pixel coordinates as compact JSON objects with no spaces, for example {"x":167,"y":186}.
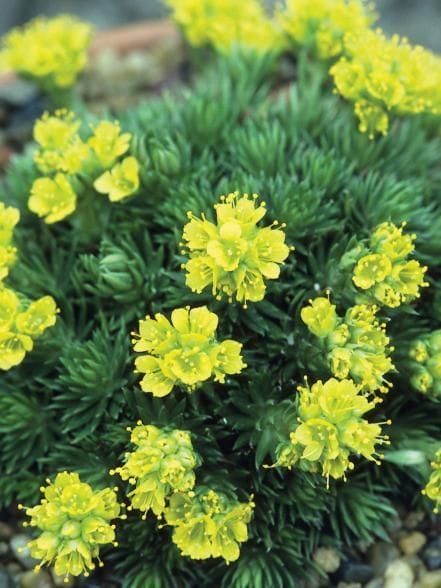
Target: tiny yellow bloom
{"x":13,"y":348}
{"x":433,"y":486}
{"x":50,"y":51}
{"x":52,"y":199}
{"x":234,"y":255}
{"x":108,"y":143}
{"x":184,"y":351}
{"x":9,"y":217}
{"x":74,"y":521}
{"x":39,"y":315}
{"x":121,"y":181}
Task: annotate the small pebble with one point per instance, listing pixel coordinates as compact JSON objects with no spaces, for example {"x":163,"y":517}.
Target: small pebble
{"x":355,"y":571}
{"x":431,"y":579}
{"x":380,"y":555}
{"x":21,"y":552}
{"x":6,"y":531}
{"x":413,"y":519}
{"x":411,"y":543}
{"x":33,"y":579}
{"x":375,"y":583}
{"x":327,"y":558}
{"x":398,"y":574}
{"x":432,"y":554}
{"x":6,"y":581}
{"x":4,"y":549}
{"x":349,"y":585}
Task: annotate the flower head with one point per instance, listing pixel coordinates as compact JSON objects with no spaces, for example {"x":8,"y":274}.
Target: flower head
{"x":425,"y":364}
{"x":321,"y":25}
{"x":50,"y":51}
{"x":208,"y":524}
{"x":121,"y":181}
{"x":234,"y":256}
{"x":384,"y":273}
{"x":331,"y":428}
{"x":22,"y":321}
{"x":108,"y":143}
{"x":226,"y":23}
{"x":9,"y":217}
{"x":184,"y":351}
{"x":162,"y":463}
{"x":357,"y":345}
{"x":383,"y":75}
{"x":61,"y":148}
{"x":433,"y":486}
{"x":52,"y":199}
{"x":74,"y":521}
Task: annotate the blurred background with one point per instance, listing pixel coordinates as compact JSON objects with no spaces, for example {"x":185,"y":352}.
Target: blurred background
{"x":420,"y":20}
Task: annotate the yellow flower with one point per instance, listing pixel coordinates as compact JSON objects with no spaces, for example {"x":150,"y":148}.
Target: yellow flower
{"x":74,"y":521}
{"x":121,"y":181}
{"x":357,"y":345}
{"x":162,"y":464}
{"x":234,"y":255}
{"x":50,"y":51}
{"x":384,"y":273}
{"x":331,"y":428}
{"x":22,"y":321}
{"x":108,"y":143}
{"x":61,"y":148}
{"x":322,"y":24}
{"x":39,"y":315}
{"x":208,"y":524}
{"x":13,"y":348}
{"x":9,"y":217}
{"x":425,"y":364}
{"x":184,"y":351}
{"x":383,"y":75}
{"x":226,"y":23}
{"x":433,"y":487}
{"x":52,"y":199}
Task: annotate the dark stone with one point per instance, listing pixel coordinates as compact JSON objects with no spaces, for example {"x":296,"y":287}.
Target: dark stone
{"x":6,"y":581}
{"x":354,"y":571}
{"x":432,"y":554}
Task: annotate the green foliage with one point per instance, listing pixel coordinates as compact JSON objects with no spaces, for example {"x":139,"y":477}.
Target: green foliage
{"x":67,"y":405}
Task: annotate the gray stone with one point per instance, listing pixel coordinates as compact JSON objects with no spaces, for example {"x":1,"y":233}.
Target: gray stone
{"x":6,"y":531}
{"x":380,"y":555}
{"x":355,"y":571}
{"x":327,"y":558}
{"x":6,"y":581}
{"x":4,"y":549}
{"x":21,"y":552}
{"x":431,"y":579}
{"x":375,"y":583}
{"x":432,"y":554}
{"x":349,"y":585}
{"x":398,"y":574}
{"x":413,"y":519}
{"x":40,"y":579}
{"x":411,"y":543}
{"x":415,"y":563}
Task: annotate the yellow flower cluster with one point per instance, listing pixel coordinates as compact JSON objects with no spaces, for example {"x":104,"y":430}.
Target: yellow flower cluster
{"x":22,"y":321}
{"x":62,"y":155}
{"x":74,"y":521}
{"x":425,"y":354}
{"x":234,"y":255}
{"x":331,"y":429}
{"x":52,"y":52}
{"x":383,"y":270}
{"x":356,"y":346}
{"x":433,"y":487}
{"x":226,"y":23}
{"x":163,"y":463}
{"x":9,"y":217}
{"x":321,"y":25}
{"x":383,"y":75}
{"x":208,"y":524}
{"x":184,"y":351}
